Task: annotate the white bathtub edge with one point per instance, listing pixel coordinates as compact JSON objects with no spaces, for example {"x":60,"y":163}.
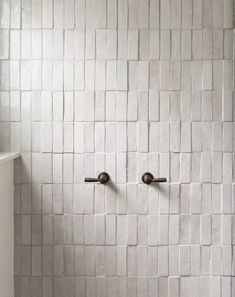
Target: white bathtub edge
{"x":8,"y":156}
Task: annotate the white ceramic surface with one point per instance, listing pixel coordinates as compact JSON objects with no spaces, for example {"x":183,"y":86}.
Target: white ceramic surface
{"x":7,"y":224}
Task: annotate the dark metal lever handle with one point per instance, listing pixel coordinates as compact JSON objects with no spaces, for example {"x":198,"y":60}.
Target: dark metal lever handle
{"x":91,"y":180}
{"x":148,"y":178}
{"x":102,"y":178}
{"x":160,"y":180}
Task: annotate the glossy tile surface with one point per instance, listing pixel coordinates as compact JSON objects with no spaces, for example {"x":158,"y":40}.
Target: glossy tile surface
{"x":125,"y":86}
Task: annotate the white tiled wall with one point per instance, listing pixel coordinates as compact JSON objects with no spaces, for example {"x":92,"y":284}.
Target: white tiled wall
{"x":123,"y":86}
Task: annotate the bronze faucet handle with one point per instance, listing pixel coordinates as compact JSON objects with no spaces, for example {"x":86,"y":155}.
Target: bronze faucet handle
{"x":102,"y":178}
{"x":148,"y":178}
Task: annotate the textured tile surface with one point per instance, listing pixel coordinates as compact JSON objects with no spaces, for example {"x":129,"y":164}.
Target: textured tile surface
{"x":124,"y":86}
